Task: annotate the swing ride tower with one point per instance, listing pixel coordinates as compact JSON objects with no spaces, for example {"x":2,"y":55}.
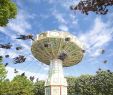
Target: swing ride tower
{"x":57,"y":49}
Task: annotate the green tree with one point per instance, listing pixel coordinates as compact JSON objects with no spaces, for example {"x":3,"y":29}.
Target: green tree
{"x":5,"y":87}
{"x":2,"y":71}
{"x":84,"y":85}
{"x":8,"y":10}
{"x":4,"y":83}
{"x":20,"y":85}
{"x":71,"y":85}
{"x":103,"y":82}
{"x":39,"y":88}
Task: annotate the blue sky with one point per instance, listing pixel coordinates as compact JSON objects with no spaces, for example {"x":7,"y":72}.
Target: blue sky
{"x":36,"y":16}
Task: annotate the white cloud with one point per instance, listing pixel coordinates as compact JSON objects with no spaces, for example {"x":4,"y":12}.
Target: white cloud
{"x":68,"y":3}
{"x":11,"y":74}
{"x":20,"y":24}
{"x":63,"y":27}
{"x":62,"y":21}
{"x":59,"y":17}
{"x":16,"y":27}
{"x":64,"y":3}
{"x":65,"y":20}
{"x":98,"y":37}
{"x":74,"y":20}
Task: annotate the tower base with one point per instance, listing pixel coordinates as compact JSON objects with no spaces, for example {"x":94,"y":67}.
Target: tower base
{"x":56,"y":84}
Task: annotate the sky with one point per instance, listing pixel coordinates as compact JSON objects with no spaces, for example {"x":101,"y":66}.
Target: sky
{"x":37,"y":16}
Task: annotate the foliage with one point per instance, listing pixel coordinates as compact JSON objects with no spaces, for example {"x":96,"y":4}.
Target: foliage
{"x":8,"y":10}
{"x":20,"y":85}
{"x":5,"y":87}
{"x":84,"y":85}
{"x":96,"y":6}
{"x":39,"y":88}
{"x":103,"y":82}
{"x":71,"y":85}
{"x":2,"y":71}
{"x":4,"y":83}
{"x":99,"y":84}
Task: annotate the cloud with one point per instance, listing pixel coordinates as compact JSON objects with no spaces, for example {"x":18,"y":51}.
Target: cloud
{"x":20,"y":24}
{"x":68,"y":3}
{"x":73,"y":19}
{"x":65,"y":19}
{"x":16,"y":27}
{"x":59,"y":16}
{"x":64,"y":3}
{"x":11,"y":74}
{"x":62,"y":21}
{"x":63,"y":27}
{"x":98,"y":37}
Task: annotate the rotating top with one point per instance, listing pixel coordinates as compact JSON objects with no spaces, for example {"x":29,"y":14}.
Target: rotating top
{"x":57,"y":45}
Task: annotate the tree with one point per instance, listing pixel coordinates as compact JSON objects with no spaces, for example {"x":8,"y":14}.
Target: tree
{"x":39,"y":88}
{"x":84,"y":85}
{"x":2,"y":71}
{"x":8,"y":10}
{"x":20,"y":85}
{"x":103,"y":82}
{"x":96,"y":6}
{"x":71,"y":85}
{"x":4,"y":83}
{"x":5,"y":87}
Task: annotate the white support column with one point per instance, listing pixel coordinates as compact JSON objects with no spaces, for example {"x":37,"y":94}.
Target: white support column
{"x":56,"y":84}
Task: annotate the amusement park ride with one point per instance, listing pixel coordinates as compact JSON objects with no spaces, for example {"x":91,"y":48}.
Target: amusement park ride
{"x":57,"y":49}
